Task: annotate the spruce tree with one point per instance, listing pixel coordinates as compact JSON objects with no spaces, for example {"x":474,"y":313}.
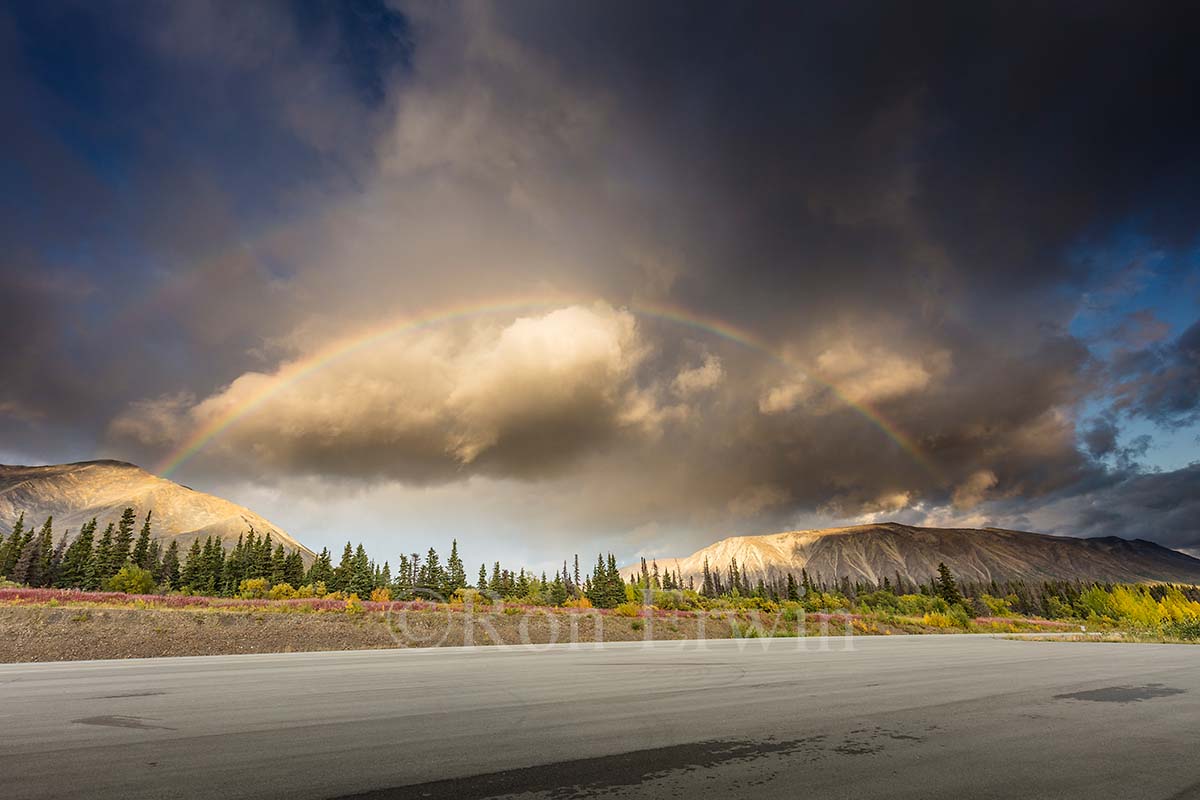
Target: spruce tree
{"x":456,"y":576}
{"x":169,"y":571}
{"x":278,"y":565}
{"x":26,"y":569}
{"x":947,"y":589}
{"x":45,"y":553}
{"x":193,"y":568}
{"x":141,"y":550}
{"x":98,"y":568}
{"x":11,"y":550}
{"x":321,"y":570}
{"x":78,"y":559}
{"x":362,"y":577}
{"x":54,"y":566}
{"x":293,"y":568}
{"x":344,"y":572}
{"x":482,"y":583}
{"x":122,"y":545}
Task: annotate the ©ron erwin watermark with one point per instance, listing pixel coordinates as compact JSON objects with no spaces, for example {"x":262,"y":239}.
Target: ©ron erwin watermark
{"x":431,"y":620}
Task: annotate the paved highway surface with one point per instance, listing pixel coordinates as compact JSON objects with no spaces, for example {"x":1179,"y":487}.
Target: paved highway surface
{"x":895,"y":717}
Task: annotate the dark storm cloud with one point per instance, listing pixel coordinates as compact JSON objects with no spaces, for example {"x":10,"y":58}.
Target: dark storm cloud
{"x":909,"y":203}
{"x":143,"y":147}
{"x":1161,"y":507}
{"x":1162,"y":382}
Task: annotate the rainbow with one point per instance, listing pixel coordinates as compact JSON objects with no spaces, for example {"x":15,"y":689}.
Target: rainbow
{"x":298,"y":371}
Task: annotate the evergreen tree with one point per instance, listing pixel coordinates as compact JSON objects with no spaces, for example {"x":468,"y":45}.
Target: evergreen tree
{"x":279,"y":565}
{"x":122,"y":544}
{"x":344,"y":572}
{"x":193,"y":568}
{"x":946,"y":587}
{"x":141,"y":550}
{"x":293,"y":568}
{"x":362,"y":576}
{"x":402,"y":586}
{"x":482,"y":583}
{"x":26,"y":569}
{"x":322,"y":570}
{"x":77,"y":561}
{"x":11,"y":549}
{"x":432,"y":577}
{"x":169,"y":571}
{"x":793,"y":591}
{"x":556,"y":592}
{"x":98,"y":568}
{"x":45,"y":554}
{"x":456,"y":576}
{"x":54,"y":566}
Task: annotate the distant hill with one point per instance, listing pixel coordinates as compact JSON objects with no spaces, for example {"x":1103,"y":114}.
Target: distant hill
{"x":873,"y":552}
{"x":74,"y":493}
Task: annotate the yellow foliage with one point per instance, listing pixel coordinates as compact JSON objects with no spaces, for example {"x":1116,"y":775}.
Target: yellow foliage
{"x":282,"y":591}
{"x":354,"y":605}
{"x":381,"y":595}
{"x":628,"y":610}
{"x":254,"y":588}
{"x":936,"y":619}
{"x":582,"y":602}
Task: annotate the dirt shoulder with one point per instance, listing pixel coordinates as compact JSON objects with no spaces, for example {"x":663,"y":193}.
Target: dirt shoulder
{"x":71,"y":633}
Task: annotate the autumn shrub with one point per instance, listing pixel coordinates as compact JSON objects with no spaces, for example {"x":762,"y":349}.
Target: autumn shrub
{"x":582,"y":602}
{"x":465,"y":595}
{"x":132,"y":579}
{"x":936,"y":619}
{"x":960,"y":615}
{"x":254,"y":588}
{"x":628,"y":610}
{"x":282,"y":591}
{"x":353,"y":605}
{"x":998,"y":606}
{"x":381,"y":594}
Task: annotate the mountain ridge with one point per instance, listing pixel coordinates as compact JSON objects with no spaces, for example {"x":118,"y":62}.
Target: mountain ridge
{"x":75,"y":492}
{"x":878,"y":550}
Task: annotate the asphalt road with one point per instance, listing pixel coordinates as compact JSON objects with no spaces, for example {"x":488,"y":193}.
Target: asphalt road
{"x":895,"y":717}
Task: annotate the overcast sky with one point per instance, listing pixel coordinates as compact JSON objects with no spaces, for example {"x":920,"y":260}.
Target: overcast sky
{"x":563,"y":277}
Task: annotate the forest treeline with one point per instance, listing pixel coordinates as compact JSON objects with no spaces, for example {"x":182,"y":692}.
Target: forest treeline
{"x":125,"y":556}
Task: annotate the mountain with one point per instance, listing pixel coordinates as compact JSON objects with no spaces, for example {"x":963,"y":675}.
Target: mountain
{"x":74,"y":493}
{"x":873,"y":552}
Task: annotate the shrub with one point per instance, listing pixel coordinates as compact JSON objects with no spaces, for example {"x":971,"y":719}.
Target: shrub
{"x":1187,"y":630}
{"x":636,"y":625}
{"x":132,"y":579}
{"x":254,"y":588}
{"x":353,"y":605}
{"x":936,"y":619}
{"x":582,"y":602}
{"x":628,"y":610}
{"x":381,"y":595}
{"x":305,"y":592}
{"x":960,"y":615}
{"x":320,"y":589}
{"x":282,"y":591}
{"x":997,"y":606}
{"x":464,"y":595}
